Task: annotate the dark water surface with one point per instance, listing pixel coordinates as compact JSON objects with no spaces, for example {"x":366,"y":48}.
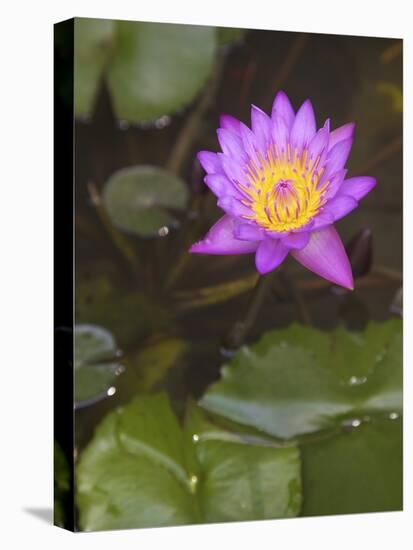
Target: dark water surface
{"x":347,"y":78}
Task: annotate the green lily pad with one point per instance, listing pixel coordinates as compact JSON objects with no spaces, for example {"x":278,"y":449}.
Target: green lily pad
{"x":93,"y":40}
{"x":93,"y":376}
{"x":137,"y":199}
{"x":355,"y":472}
{"x":229,"y":35}
{"x":61,"y":485}
{"x":142,"y":470}
{"x":300,"y":380}
{"x":157,"y":68}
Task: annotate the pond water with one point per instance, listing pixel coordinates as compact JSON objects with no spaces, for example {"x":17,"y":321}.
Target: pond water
{"x":154,"y":300}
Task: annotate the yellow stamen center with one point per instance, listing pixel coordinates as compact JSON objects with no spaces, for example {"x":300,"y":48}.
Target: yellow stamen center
{"x":283,"y":190}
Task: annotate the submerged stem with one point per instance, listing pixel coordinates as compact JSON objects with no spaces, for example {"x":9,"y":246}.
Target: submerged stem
{"x":117,"y":238}
{"x":190,"y":129}
{"x":296,"y":295}
{"x":241,"y":329}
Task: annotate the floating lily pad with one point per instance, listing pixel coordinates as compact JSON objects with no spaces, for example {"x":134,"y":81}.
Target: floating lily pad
{"x":355,"y":472}
{"x":137,"y":199}
{"x":93,"y":376}
{"x":229,"y":35}
{"x":301,"y":380}
{"x":61,"y":485}
{"x":157,"y":68}
{"x":93,"y":39}
{"x":142,"y":470}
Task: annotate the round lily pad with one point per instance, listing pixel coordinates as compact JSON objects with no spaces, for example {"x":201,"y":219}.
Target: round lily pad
{"x":230,"y":35}
{"x":143,"y":469}
{"x":92,"y":42}
{"x":157,"y":68}
{"x":137,"y":199}
{"x":95,"y":370}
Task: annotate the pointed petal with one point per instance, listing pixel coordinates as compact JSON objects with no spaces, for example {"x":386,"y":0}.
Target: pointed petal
{"x":340,"y":206}
{"x":337,"y":157}
{"x":325,"y":256}
{"x":220,"y":240}
{"x":282,"y":108}
{"x":270,"y":254}
{"x":339,"y":134}
{"x":249,"y":142}
{"x":296,"y":241}
{"x":231,"y":144}
{"x":318,"y":144}
{"x":261,"y":126}
{"x":324,"y":218}
{"x":233,"y":170}
{"x":233,"y":206}
{"x":280,"y":133}
{"x":210,"y":162}
{"x":221,"y":186}
{"x":248,"y":232}
{"x":304,"y":126}
{"x":358,"y":187}
{"x":229,"y":123}
{"x":334,"y":184}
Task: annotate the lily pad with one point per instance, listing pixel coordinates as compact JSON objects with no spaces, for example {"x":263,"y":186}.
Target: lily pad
{"x":157,"y":68}
{"x":229,"y":35}
{"x":142,"y":470}
{"x":300,"y":380}
{"x":93,"y":39}
{"x":356,"y":471}
{"x":61,"y":485}
{"x":94,"y":346}
{"x":137,"y":199}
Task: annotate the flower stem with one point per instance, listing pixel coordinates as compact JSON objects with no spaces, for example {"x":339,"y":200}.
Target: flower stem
{"x":119,"y":241}
{"x":191,"y":127}
{"x":296,"y":295}
{"x":241,"y":329}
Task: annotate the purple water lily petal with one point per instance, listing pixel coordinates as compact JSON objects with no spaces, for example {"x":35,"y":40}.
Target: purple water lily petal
{"x":325,"y":255}
{"x":221,"y":186}
{"x":304,"y":126}
{"x":334,"y":184}
{"x":342,"y":133}
{"x":249,"y":232}
{"x":231,"y":144}
{"x":324,"y":218}
{"x":261,"y":126}
{"x":229,"y":123}
{"x":340,"y":206}
{"x":280,"y":133}
{"x":318,"y":144}
{"x":282,"y":108}
{"x":337,"y":157}
{"x":233,"y":169}
{"x":250,"y":143}
{"x":210,"y":162}
{"x":270,"y":254}
{"x":220,"y":240}
{"x":296,"y":241}
{"x":233,"y":206}
{"x":358,"y":187}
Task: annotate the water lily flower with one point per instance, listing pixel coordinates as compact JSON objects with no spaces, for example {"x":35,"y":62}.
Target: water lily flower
{"x":282,"y":185}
